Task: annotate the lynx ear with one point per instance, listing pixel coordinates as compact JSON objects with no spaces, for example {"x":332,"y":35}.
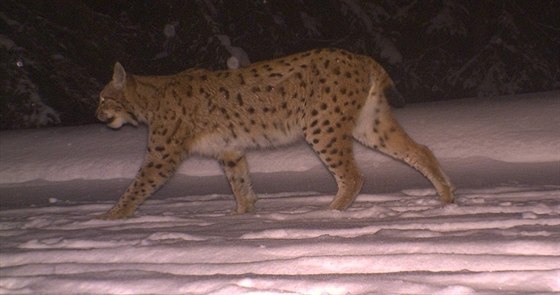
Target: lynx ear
{"x":119,"y":76}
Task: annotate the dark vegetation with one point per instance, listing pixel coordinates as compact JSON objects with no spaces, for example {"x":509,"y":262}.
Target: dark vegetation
{"x":56,"y":55}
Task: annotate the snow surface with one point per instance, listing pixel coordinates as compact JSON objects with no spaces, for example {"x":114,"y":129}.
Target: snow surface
{"x":502,"y":236}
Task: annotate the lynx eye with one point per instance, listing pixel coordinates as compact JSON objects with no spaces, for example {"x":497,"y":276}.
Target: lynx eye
{"x":101,"y":99}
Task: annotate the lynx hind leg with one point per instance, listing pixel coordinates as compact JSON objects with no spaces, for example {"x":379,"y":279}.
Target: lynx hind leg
{"x":377,"y":129}
{"x":237,"y":173}
{"x":335,"y":151}
{"x":349,"y":181}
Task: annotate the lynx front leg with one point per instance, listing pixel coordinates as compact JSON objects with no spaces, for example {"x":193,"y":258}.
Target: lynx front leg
{"x":158,"y":166}
{"x":237,"y":173}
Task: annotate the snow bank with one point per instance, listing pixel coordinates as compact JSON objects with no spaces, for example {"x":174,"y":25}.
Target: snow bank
{"x":516,"y":129}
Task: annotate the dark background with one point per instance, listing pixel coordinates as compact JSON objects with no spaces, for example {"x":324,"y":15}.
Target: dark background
{"x":55,"y":56}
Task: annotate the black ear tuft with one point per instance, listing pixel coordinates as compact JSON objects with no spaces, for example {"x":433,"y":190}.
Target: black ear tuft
{"x":394,"y":97}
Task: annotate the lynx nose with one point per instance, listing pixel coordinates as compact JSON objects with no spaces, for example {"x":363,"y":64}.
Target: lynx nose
{"x":102,"y":116}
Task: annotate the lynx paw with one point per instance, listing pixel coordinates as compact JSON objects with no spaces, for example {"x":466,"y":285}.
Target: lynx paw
{"x":115,"y":213}
{"x":447,"y":196}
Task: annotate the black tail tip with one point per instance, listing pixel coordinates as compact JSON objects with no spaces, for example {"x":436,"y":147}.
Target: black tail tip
{"x":394,"y":97}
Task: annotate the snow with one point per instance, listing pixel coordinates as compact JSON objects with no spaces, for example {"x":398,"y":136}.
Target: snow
{"x":469,"y":128}
{"x":502,"y":236}
{"x":6,"y":43}
{"x":239,"y":58}
{"x":311,"y":24}
{"x":357,"y":11}
{"x":446,"y":21}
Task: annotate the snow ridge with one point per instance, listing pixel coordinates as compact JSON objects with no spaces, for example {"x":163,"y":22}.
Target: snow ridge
{"x":492,"y":241}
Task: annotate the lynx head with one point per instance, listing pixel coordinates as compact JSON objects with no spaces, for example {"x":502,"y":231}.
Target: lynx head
{"x":114,"y":108}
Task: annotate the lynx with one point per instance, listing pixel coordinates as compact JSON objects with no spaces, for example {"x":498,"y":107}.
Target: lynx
{"x":327,"y":97}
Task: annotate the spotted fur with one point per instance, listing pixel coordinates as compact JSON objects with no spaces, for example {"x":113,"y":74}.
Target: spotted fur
{"x":327,"y":97}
